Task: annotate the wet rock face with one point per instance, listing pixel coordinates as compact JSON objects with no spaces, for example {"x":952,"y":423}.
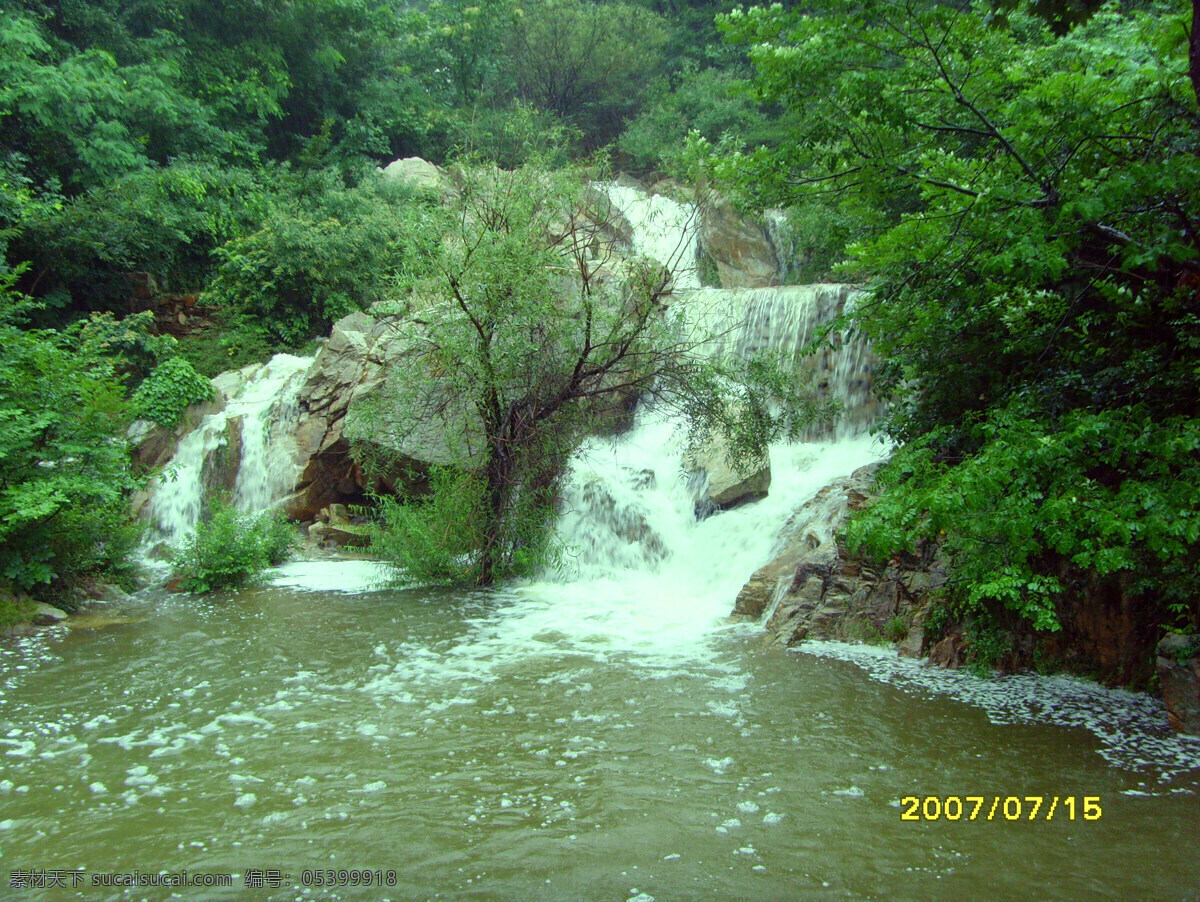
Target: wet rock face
{"x":815,"y":589}
{"x":1178,"y":661}
{"x":717,"y":486}
{"x":739,"y":247}
{"x":350,"y":368}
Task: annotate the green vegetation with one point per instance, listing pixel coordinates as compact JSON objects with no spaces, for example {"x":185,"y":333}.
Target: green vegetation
{"x":1020,"y":197}
{"x":232,"y":549}
{"x":63,"y":476}
{"x":896,"y":629}
{"x":322,"y":251}
{"x":14,"y":609}
{"x":168,"y":391}
{"x":1016,"y":182}
{"x":526,"y":332}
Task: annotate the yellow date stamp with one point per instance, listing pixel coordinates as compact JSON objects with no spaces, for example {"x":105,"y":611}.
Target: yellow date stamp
{"x":1002,"y":808}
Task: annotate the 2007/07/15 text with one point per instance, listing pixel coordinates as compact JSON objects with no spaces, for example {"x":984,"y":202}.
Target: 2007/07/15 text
{"x":1008,"y":808}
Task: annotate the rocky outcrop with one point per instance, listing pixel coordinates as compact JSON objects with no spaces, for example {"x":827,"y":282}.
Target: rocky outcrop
{"x":738,"y":247}
{"x":417,"y":173}
{"x":1178,"y":661}
{"x":351,"y":370}
{"x":335,"y":527}
{"x":716,"y":485}
{"x":815,"y":589}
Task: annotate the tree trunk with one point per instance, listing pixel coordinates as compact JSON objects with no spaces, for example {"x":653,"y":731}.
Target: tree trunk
{"x":499,"y":477}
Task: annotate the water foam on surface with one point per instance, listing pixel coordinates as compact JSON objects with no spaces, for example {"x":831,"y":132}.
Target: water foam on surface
{"x":347,"y":576}
{"x":1132,"y":727}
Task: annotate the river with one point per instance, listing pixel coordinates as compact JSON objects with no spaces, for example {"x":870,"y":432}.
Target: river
{"x":602,"y":734}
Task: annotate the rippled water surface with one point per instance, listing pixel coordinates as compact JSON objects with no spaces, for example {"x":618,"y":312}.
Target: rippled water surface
{"x":496,"y":746}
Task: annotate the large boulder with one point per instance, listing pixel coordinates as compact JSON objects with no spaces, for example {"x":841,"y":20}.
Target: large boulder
{"x":352,"y":370}
{"x":807,"y":546}
{"x":816,"y":589}
{"x":738,"y":247}
{"x":1178,"y":660}
{"x":717,"y":485}
{"x":417,"y":173}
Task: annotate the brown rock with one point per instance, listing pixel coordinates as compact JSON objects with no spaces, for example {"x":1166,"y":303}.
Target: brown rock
{"x":1178,"y":662}
{"x":740,"y":248}
{"x":949,"y":653}
{"x":910,"y":646}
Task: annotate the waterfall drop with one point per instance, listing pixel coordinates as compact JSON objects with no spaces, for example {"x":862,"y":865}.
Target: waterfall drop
{"x":244,"y":448}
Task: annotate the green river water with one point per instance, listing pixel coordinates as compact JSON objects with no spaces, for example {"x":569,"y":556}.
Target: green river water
{"x":497,"y":746}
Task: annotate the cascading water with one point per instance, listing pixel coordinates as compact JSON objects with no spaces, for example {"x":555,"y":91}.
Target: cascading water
{"x":257,"y":418}
{"x":663,"y":230}
{"x":784,"y":320}
{"x":603,"y":734}
{"x":639,"y":570}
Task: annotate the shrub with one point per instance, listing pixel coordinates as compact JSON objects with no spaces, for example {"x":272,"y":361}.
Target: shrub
{"x":432,"y":538}
{"x":323,"y":251}
{"x":233,"y":549}
{"x":172,"y":386}
{"x":234,"y":341}
{"x":896,"y":629}
{"x":64,"y":472}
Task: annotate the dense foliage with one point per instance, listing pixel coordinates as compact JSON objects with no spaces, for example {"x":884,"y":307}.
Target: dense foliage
{"x":1022,"y":200}
{"x":322,"y":251}
{"x":63,"y":476}
{"x":166,"y":394}
{"x":233,"y":548}
{"x":221,"y":156}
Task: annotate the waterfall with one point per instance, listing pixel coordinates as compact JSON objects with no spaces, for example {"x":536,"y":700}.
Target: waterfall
{"x":663,"y":230}
{"x":637,"y":562}
{"x":245,"y":448}
{"x":784,"y":320}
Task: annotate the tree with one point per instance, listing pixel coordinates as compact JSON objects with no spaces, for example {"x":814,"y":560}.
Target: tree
{"x":1024,"y":200}
{"x":588,"y":63}
{"x":526,"y":332}
{"x":64,"y":470}
{"x":322,"y":251}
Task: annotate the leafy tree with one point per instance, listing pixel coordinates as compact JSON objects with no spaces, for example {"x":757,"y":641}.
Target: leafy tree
{"x":588,"y":63}
{"x":64,"y":473}
{"x":1024,"y":206}
{"x":323,"y":251}
{"x":525,"y":333}
{"x":165,"y":220}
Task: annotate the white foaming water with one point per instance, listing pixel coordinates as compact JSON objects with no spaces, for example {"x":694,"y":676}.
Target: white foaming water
{"x":350,"y":577}
{"x":784,"y":320}
{"x":642,"y":572}
{"x":643,"y":581}
{"x":663,"y":229}
{"x":267,"y":406}
{"x":264,"y":410}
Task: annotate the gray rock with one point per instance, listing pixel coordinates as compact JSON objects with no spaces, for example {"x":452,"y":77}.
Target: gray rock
{"x":718,"y":486}
{"x":47,"y":615}
{"x":739,"y":247}
{"x":1178,"y":662}
{"x":416,"y":172}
